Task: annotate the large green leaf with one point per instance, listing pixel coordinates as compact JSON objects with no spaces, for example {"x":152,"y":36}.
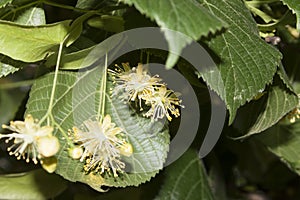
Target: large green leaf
{"x":37,"y":185}
{"x":294,"y":5}
{"x":186,"y":179}
{"x":247,"y":63}
{"x":284,"y":141}
{"x":76,"y":100}
{"x":31,"y":43}
{"x":275,"y":103}
{"x":186,"y":17}
{"x":281,"y":100}
{"x":31,"y":16}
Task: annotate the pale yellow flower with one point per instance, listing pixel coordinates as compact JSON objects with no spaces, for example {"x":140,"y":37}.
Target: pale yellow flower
{"x":162,"y":101}
{"x":102,"y":142}
{"x":30,"y":140}
{"x":131,"y":84}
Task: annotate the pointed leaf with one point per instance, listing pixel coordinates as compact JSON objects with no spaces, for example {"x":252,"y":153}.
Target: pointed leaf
{"x":76,"y":100}
{"x":31,"y":43}
{"x":271,"y":108}
{"x":186,"y":179}
{"x":247,"y":62}
{"x":176,"y":15}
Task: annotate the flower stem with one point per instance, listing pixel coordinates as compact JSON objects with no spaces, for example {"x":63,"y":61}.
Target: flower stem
{"x":49,"y":111}
{"x":101,"y":108}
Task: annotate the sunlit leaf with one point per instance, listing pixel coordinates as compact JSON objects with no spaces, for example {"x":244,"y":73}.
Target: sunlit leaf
{"x":76,"y":100}
{"x":31,"y":43}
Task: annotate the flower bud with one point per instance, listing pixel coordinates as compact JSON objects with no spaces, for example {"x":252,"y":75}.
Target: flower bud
{"x":75,"y":152}
{"x":126,"y":149}
{"x":48,"y":146}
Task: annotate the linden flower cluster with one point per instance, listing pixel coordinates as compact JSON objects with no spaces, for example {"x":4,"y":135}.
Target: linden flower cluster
{"x":133,"y":83}
{"x":137,"y":83}
{"x":30,"y":140}
{"x":103,"y":145}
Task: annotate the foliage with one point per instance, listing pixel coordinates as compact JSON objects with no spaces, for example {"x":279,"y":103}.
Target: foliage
{"x":57,"y":65}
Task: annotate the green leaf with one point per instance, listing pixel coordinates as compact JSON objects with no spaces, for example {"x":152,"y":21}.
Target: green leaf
{"x":294,"y":5}
{"x":7,"y":69}
{"x":36,"y":184}
{"x":186,"y":179}
{"x":77,"y":100}
{"x":71,"y":61}
{"x":274,"y":105}
{"x":9,"y":66}
{"x":86,"y":57}
{"x":108,"y":23}
{"x":31,"y":43}
{"x":33,"y":16}
{"x":247,"y":63}
{"x":76,"y":28}
{"x":186,"y":17}
{"x":284,"y":141}
{"x":3,"y":3}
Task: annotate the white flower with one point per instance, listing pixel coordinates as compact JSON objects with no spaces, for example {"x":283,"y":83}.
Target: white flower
{"x":102,"y":142}
{"x":133,"y":83}
{"x":29,"y":139}
{"x":162,"y":101}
